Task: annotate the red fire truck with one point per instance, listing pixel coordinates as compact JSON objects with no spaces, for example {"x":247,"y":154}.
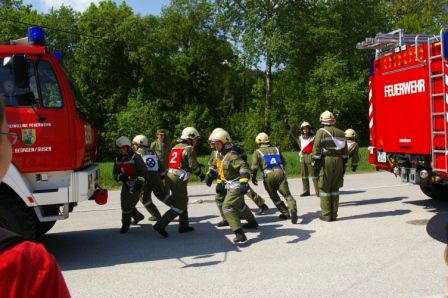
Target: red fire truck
{"x":408,"y":106}
{"x":52,"y":167}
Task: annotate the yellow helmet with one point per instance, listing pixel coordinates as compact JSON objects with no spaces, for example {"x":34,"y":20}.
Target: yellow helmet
{"x":123,"y":141}
{"x":221,"y":136}
{"x":304,"y":124}
{"x":189,"y":133}
{"x":262,"y":138}
{"x":140,"y":140}
{"x":350,"y":134}
{"x":327,"y":117}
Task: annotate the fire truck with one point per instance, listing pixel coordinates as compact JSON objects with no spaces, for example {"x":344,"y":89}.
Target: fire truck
{"x":52,"y":167}
{"x":408,"y":108}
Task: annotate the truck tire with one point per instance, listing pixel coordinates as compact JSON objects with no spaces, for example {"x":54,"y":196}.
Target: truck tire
{"x":440,"y":191}
{"x":43,"y":227}
{"x":427,"y":191}
{"x":16,"y":216}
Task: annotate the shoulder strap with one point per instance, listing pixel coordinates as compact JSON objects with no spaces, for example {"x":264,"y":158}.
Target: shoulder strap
{"x":8,"y":238}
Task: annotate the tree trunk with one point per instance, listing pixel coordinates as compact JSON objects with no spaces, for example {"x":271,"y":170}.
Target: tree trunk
{"x":268,"y":95}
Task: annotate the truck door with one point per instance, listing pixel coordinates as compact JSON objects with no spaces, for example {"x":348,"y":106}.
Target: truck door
{"x":44,"y":128}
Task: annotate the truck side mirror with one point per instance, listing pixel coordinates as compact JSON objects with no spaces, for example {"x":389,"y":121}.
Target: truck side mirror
{"x":18,"y":66}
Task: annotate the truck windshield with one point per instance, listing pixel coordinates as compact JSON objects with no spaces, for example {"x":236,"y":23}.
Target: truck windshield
{"x":43,"y":88}
{"x":13,"y":95}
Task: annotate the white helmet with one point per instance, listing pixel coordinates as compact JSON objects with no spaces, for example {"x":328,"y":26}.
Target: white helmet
{"x":304,"y":124}
{"x":189,"y":133}
{"x":219,"y":129}
{"x":327,"y":117}
{"x":262,"y":138}
{"x":221,"y":136}
{"x":123,"y":141}
{"x":350,"y":134}
{"x":140,"y":140}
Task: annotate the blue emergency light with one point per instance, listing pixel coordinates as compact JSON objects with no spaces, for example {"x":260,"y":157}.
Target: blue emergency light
{"x":58,"y":56}
{"x":445,"y":44}
{"x":371,"y":65}
{"x":36,"y":35}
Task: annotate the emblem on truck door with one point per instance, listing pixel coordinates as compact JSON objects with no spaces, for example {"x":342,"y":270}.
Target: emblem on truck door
{"x":29,"y":136}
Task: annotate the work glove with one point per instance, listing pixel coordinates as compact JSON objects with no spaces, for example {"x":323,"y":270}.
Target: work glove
{"x":286,"y":123}
{"x":211,"y":175}
{"x":254,"y":180}
{"x":208,"y":180}
{"x":220,"y":189}
{"x":121,"y":177}
{"x":244,"y":187}
{"x":316,"y":167}
{"x":138,"y":185}
{"x":354,"y":168}
{"x":201,"y":176}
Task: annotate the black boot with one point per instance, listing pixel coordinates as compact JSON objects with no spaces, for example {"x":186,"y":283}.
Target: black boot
{"x":160,"y":225}
{"x":239,"y":236}
{"x":305,"y":194}
{"x":124,"y":228}
{"x":294,"y":216}
{"x":160,"y":230}
{"x":263,"y":209}
{"x":186,"y":229}
{"x":284,"y":216}
{"x":222,"y":223}
{"x":251,"y":225}
{"x":137,"y":219}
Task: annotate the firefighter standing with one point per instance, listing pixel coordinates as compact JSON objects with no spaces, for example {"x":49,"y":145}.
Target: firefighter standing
{"x":130,"y":169}
{"x":162,"y":147}
{"x":270,"y":162}
{"x":182,"y":162}
{"x":353,"y":148}
{"x":154,"y":182}
{"x":305,"y":142}
{"x":329,"y":159}
{"x":234,"y":175}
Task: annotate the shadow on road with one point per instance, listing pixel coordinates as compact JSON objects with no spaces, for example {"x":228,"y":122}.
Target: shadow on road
{"x":107,"y":247}
{"x":371,"y":201}
{"x":206,"y":246}
{"x":376,"y":214}
{"x":430,"y":204}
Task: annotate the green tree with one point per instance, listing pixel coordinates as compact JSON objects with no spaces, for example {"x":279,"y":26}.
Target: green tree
{"x":254,"y":27}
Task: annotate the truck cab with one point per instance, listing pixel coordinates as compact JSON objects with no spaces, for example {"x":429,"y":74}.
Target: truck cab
{"x":52,"y":167}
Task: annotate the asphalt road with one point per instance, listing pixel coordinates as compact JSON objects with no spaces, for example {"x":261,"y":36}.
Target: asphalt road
{"x":379,"y":247}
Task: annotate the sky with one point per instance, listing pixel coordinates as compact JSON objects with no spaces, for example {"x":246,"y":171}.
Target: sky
{"x":143,"y":7}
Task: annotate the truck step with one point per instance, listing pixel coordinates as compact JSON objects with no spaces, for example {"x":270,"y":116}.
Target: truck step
{"x":435,"y":57}
{"x":438,"y":75}
{"x":437,"y":94}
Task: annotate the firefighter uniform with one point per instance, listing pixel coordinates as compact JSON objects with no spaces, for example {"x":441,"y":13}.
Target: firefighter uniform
{"x":233,"y":175}
{"x":270,"y":162}
{"x":330,"y":156}
{"x":305,"y":143}
{"x":256,"y":198}
{"x":353,"y":148}
{"x":212,"y":174}
{"x":162,"y":147}
{"x":182,"y":162}
{"x":131,"y":170}
{"x":154,"y":182}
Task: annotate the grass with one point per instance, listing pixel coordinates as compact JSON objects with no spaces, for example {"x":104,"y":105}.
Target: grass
{"x":292,"y":168}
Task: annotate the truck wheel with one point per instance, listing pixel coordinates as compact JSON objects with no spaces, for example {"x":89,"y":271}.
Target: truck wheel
{"x":43,"y":227}
{"x":427,"y":191}
{"x":16,"y":216}
{"x":440,"y":191}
